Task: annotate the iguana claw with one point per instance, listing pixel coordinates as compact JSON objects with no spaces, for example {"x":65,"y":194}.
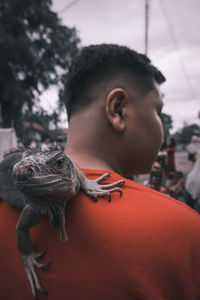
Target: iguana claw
{"x":93,"y":189}
{"x":30,"y":264}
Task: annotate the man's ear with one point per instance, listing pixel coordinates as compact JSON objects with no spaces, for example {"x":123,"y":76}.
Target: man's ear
{"x":116,"y":108}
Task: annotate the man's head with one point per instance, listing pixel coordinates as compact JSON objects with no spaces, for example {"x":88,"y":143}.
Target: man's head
{"x":99,"y":65}
{"x":113,"y":101}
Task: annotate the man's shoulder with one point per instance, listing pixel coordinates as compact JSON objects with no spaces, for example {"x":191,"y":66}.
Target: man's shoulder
{"x":138,"y":215}
{"x":138,"y":199}
{"x":156,"y":201}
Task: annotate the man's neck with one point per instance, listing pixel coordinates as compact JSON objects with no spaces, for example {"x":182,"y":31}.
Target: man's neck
{"x":86,"y":160}
{"x":86,"y":148}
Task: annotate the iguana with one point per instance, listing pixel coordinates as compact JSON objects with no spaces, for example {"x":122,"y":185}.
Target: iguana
{"x":45,"y":182}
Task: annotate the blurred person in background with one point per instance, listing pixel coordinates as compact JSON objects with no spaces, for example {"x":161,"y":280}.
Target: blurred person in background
{"x":155,"y":176}
{"x":193,"y":148}
{"x":192,"y":185}
{"x":45,"y":144}
{"x":162,"y":158}
{"x":171,"y":148}
{"x":32,"y":145}
{"x":174,"y":186}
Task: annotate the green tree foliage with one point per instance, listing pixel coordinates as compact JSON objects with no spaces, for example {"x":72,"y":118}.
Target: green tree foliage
{"x":184,"y":135}
{"x":37,"y":126}
{"x":42,"y":118}
{"x":167,"y":125}
{"x":35,"y":48}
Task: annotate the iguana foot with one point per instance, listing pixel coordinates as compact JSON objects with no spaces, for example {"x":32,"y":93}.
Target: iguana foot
{"x":30,"y":265}
{"x":93,"y":189}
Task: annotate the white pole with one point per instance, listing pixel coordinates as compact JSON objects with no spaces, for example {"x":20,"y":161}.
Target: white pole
{"x":146,"y":25}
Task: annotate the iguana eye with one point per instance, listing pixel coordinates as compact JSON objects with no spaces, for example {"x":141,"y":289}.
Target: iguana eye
{"x":59,"y":162}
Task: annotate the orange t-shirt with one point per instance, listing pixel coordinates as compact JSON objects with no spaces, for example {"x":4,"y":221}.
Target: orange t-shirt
{"x":143,"y":245}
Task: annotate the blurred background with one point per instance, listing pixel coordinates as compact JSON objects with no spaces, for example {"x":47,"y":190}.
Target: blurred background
{"x":38,"y":40}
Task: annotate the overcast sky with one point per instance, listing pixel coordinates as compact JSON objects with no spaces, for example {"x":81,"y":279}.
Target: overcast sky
{"x":174,"y":42}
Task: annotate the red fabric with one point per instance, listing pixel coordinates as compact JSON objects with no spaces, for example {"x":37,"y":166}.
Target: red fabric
{"x":143,"y":245}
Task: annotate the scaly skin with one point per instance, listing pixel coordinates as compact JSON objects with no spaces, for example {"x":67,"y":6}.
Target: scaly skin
{"x":43,"y":177}
{"x":8,"y":191}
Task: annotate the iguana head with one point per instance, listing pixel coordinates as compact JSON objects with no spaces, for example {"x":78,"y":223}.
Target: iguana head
{"x":48,"y":179}
{"x":45,"y":174}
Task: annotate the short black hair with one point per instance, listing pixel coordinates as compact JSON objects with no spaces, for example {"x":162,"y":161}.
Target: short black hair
{"x":97,"y":63}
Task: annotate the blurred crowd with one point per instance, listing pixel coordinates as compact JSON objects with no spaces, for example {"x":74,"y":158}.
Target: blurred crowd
{"x":46,"y":144}
{"x":165,"y":177}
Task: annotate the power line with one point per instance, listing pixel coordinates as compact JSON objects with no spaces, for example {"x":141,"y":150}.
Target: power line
{"x":146,"y":26}
{"x":174,"y":40}
{"x":68,"y":6}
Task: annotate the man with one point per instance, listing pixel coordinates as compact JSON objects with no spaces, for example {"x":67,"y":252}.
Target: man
{"x":143,"y":245}
{"x":192,"y":186}
{"x":193,"y":148}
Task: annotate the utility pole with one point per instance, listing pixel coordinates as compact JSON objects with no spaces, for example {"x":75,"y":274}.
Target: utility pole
{"x":146,"y":25}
